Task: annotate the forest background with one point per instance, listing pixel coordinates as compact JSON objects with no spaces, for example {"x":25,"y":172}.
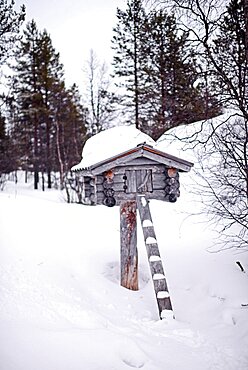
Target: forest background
{"x":175,"y":62}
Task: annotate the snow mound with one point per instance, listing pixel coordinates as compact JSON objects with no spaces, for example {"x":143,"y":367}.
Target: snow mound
{"x":180,"y":140}
{"x":111,"y":142}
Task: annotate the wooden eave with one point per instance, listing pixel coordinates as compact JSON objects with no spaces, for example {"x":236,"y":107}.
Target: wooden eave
{"x":141,"y":150}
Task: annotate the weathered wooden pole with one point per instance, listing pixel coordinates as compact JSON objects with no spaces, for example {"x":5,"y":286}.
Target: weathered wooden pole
{"x":129,"y":252}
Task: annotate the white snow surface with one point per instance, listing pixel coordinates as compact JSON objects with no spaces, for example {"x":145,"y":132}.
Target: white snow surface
{"x":62,"y":307}
{"x":111,"y":142}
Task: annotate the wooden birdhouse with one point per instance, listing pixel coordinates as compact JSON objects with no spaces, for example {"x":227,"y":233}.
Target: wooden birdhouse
{"x":140,"y":170}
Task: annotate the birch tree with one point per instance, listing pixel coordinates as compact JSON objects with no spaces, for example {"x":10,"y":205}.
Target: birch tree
{"x":102,"y":102}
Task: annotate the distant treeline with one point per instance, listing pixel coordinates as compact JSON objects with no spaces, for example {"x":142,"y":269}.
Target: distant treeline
{"x":164,"y":75}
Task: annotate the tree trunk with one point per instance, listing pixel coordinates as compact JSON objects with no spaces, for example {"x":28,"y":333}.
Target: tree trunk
{"x":136,"y":87}
{"x":246,"y":29}
{"x":61,"y":165}
{"x":129,"y":252}
{"x":43,"y":181}
{"x":36,"y":171}
{"x":48,"y":157}
{"x":36,"y":179}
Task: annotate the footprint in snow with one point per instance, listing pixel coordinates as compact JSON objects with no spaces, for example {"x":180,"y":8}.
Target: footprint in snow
{"x":132,"y":355}
{"x":131,"y":364}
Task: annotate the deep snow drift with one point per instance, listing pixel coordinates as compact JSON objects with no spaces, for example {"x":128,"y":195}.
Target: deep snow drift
{"x":61,"y":305}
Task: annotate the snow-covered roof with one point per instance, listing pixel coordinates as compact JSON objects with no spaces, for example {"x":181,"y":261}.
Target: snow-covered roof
{"x":109,"y":143}
{"x":128,"y":136}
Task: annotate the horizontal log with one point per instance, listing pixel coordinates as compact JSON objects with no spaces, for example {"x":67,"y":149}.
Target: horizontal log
{"x":119,"y":184}
{"x":121,"y":196}
{"x":89,"y":191}
{"x":99,"y":179}
{"x":120,"y":187}
{"x":158,"y":172}
{"x":118,"y":178}
{"x":155,"y":168}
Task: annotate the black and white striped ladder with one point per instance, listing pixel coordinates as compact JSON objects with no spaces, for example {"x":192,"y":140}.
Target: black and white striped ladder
{"x":155,"y":262}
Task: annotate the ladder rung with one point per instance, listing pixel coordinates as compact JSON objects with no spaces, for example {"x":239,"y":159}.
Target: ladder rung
{"x":151,"y":240}
{"x":154,"y":258}
{"x":158,"y":276}
{"x":147,"y":223}
{"x":163,"y":294}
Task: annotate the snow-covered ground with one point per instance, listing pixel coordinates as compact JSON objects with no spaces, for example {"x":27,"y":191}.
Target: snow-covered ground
{"x":62,"y":308}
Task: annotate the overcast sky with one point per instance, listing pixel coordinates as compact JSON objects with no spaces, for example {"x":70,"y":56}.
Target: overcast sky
{"x":76,"y":26}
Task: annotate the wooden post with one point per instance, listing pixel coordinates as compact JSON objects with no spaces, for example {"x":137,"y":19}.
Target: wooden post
{"x":129,"y":252}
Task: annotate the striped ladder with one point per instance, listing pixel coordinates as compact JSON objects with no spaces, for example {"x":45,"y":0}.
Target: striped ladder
{"x":155,"y":262}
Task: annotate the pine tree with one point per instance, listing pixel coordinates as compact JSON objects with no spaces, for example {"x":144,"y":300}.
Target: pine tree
{"x":70,"y":120}
{"x":76,"y":126}
{"x":222,"y":35}
{"x":127,"y":43}
{"x":38,"y":75}
{"x":169,"y":90}
{"x":10,"y":22}
{"x":7,"y":161}
{"x":48,"y":122}
{"x":230,"y":56}
{"x":176,"y":90}
{"x":28,"y":96}
{"x":50,"y":74}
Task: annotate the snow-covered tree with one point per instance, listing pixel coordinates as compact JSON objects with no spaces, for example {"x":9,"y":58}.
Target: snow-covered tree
{"x":174,"y":90}
{"x":46,"y":114}
{"x":220,"y":32}
{"x":127,"y":42}
{"x":163,"y":80}
{"x":10,"y":22}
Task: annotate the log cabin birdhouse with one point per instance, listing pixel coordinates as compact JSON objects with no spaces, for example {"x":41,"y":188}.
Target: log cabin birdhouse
{"x":129,"y":180}
{"x":140,"y":170}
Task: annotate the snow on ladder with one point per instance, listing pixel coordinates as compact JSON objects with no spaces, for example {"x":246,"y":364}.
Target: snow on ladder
{"x":155,"y":262}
